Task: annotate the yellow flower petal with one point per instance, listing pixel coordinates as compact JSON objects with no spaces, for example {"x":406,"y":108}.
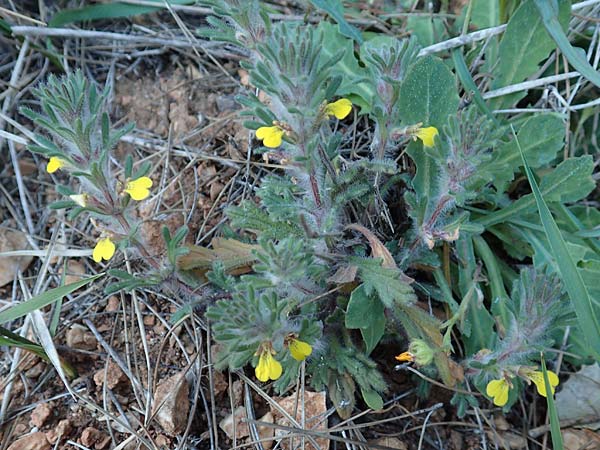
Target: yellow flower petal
{"x":271,"y":136}
{"x":299,"y":349}
{"x":340,"y":109}
{"x":262,"y":368}
{"x":104,"y":249}
{"x":427,"y":135}
{"x":498,"y":390}
{"x":538,"y":378}
{"x":268,"y":368}
{"x":139,"y":189}
{"x":80,"y":199}
{"x":54,"y":164}
{"x":406,"y":356}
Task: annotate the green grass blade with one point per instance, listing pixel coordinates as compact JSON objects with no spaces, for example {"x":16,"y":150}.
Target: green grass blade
{"x":107,"y":11}
{"x":557,"y":442}
{"x":575,"y":57}
{"x":44,"y":299}
{"x":578,"y":293}
{"x":469,"y":84}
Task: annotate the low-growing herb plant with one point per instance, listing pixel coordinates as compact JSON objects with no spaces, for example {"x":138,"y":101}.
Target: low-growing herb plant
{"x":344,"y":250}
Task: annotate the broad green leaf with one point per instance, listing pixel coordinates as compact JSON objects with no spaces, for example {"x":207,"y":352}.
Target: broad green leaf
{"x":573,"y":282}
{"x":525,"y":44}
{"x":43,"y":299}
{"x":374,"y":332}
{"x":113,"y":10}
{"x":362,"y":309}
{"x":372,"y":399}
{"x":428,"y":93}
{"x":570,"y":181}
{"x":427,"y":29}
{"x":486,"y":13}
{"x":576,"y":56}
{"x":541,"y":138}
{"x":354,"y":76}
{"x":335,"y":9}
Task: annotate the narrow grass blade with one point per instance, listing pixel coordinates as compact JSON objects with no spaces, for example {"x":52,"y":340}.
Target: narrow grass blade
{"x":44,"y":299}
{"x":578,"y":293}
{"x":469,"y":84}
{"x":575,"y":57}
{"x":114,"y":10}
{"x":557,"y":442}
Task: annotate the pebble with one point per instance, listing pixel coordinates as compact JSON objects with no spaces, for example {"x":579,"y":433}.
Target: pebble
{"x":33,"y":441}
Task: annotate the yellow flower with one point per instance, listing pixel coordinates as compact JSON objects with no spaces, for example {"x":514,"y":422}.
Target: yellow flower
{"x":340,"y":109}
{"x":538,"y":379}
{"x":427,"y":135}
{"x":299,"y":349}
{"x":418,"y":352}
{"x":498,"y":390}
{"x":139,"y":189}
{"x":268,"y":368}
{"x":271,"y":136}
{"x":80,"y":199}
{"x":54,"y":164}
{"x":104,"y":249}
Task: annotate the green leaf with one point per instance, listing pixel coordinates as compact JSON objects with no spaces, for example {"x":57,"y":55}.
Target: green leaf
{"x":578,"y":293}
{"x":372,"y":399}
{"x":362,"y":307}
{"x":335,"y":9}
{"x":391,"y":285}
{"x":576,"y":56}
{"x":486,"y":13}
{"x":353,"y":76}
{"x":373,"y":333}
{"x":570,"y":181}
{"x":427,"y":29}
{"x":524,"y":45}
{"x":108,"y":11}
{"x":541,"y":138}
{"x":43,"y":299}
{"x":469,"y":84}
{"x":428,"y":93}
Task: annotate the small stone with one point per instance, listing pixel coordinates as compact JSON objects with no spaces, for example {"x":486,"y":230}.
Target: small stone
{"x":265,"y":432}
{"x":237,"y":421}
{"x":75,"y":271}
{"x":113,"y":304}
{"x":501,"y":423}
{"x":149,"y":320}
{"x":36,"y":370}
{"x":391,"y":442}
{"x":114,"y":375}
{"x":162,"y":441}
{"x":219,"y":382}
{"x":61,"y":431}
{"x":171,"y":404}
{"x":215,"y":190}
{"x":237,"y":390}
{"x":33,"y":441}
{"x":40,"y":414}
{"x":93,"y":437}
{"x":80,"y":338}
{"x":120,"y":425}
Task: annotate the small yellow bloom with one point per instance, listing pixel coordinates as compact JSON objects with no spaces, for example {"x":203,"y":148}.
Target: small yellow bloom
{"x":427,"y":135}
{"x":498,"y":390}
{"x":139,"y":189}
{"x":268,"y":368}
{"x":418,"y":352}
{"x":271,"y":136}
{"x":340,"y":108}
{"x":299,"y":349}
{"x":54,"y":164}
{"x":104,"y":249}
{"x":80,"y":199}
{"x":538,"y":379}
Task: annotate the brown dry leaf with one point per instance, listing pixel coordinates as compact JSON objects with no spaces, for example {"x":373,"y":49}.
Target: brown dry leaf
{"x":11,"y":240}
{"x":236,"y":257}
{"x":75,"y":271}
{"x":315,"y":408}
{"x":378,"y":250}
